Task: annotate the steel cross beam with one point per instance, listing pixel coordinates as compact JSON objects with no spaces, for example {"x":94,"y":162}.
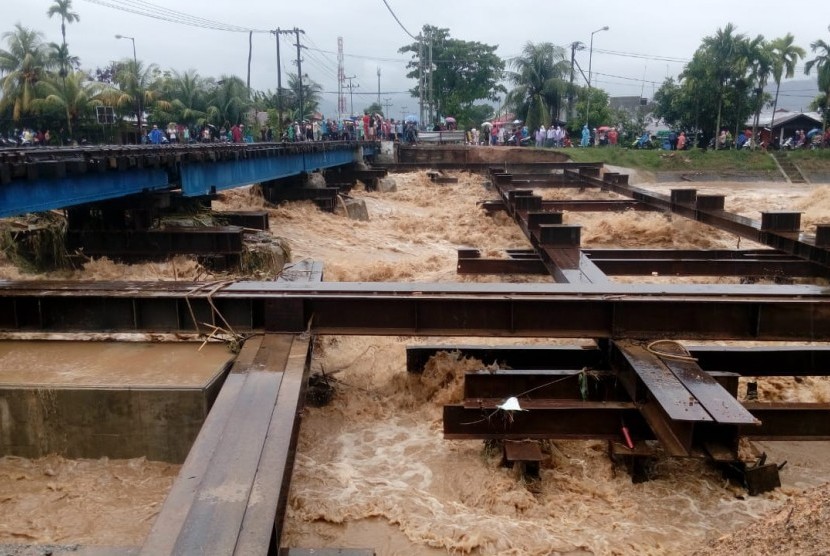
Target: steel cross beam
{"x":709,"y":210}
{"x":645,"y":262}
{"x":748,"y":312}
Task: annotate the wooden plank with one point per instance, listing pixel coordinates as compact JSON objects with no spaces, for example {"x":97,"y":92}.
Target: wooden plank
{"x":168,"y":524}
{"x":262,"y":524}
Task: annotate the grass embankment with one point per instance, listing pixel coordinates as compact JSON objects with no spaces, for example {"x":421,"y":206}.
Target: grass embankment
{"x":812,"y":161}
{"x":681,"y":161}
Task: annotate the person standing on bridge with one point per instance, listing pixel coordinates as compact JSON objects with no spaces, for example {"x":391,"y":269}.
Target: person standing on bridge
{"x":236,"y":133}
{"x":155,"y":135}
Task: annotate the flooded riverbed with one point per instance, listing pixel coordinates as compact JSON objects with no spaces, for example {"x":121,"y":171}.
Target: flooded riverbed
{"x":373,"y":469}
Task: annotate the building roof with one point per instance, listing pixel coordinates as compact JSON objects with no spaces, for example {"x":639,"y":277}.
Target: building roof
{"x":785,"y":117}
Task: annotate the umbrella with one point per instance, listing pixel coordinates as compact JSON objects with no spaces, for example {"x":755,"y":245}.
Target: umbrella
{"x":516,"y":122}
{"x":411,"y":118}
{"x":486,"y":124}
{"x":449,"y":120}
{"x":603,"y":128}
{"x":813,"y":132}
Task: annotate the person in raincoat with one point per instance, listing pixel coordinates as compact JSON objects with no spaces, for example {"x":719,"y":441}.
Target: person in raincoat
{"x":586,"y":136}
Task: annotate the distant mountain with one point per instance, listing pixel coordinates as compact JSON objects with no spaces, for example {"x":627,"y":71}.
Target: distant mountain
{"x":796,"y":94}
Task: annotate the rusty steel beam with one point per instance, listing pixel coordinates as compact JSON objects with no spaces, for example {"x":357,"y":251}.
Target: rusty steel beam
{"x":252,"y":219}
{"x":723,"y":267}
{"x":741,"y":361}
{"x":784,"y":266}
{"x":515,"y":357}
{"x":710,"y":210}
{"x":569,"y":421}
{"x":221,"y":240}
{"x":789,"y":421}
{"x":532,"y":310}
{"x":577,"y":205}
{"x":526,"y":385}
{"x":668,"y":408}
{"x":765,"y":361}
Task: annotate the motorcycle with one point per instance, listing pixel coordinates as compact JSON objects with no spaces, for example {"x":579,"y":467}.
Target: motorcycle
{"x":643,"y":142}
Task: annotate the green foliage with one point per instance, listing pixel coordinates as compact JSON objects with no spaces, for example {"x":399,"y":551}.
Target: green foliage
{"x":717,"y":89}
{"x":23,"y":64}
{"x":374,"y":108}
{"x":695,"y":160}
{"x":539,"y":84}
{"x":291,"y":97}
{"x":463,"y":72}
{"x":821,"y":63}
{"x":598,"y":114}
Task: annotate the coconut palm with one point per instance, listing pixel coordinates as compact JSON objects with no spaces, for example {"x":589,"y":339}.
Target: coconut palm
{"x":229,"y":101}
{"x":311,"y":96}
{"x":785,"y":56}
{"x":539,"y":84}
{"x":724,"y":51}
{"x":22,"y":66}
{"x":63,"y":8}
{"x":58,"y":56}
{"x":822,"y":64}
{"x":74,"y":95}
{"x":187,"y":93}
{"x":759,"y":57}
{"x":136,"y":86}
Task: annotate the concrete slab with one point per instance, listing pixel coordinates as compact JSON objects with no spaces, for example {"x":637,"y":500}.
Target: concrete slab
{"x":117,"y":400}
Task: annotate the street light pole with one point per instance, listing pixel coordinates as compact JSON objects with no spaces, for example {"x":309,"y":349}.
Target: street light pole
{"x":138,"y":89}
{"x":590,"y":59}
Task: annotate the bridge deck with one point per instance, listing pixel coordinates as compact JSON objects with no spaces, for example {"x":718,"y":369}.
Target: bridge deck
{"x":33,"y":180}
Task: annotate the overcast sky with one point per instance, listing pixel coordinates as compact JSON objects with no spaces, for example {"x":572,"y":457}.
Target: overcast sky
{"x":647,"y":40}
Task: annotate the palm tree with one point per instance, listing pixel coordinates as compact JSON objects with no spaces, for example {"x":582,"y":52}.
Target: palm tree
{"x":539,"y":83}
{"x":74,"y":95}
{"x":137,"y":86}
{"x":188,"y":95}
{"x":759,"y":58}
{"x":63,"y":8}
{"x":785,"y":56}
{"x":822,"y":64}
{"x":23,"y":66}
{"x":724,"y":51}
{"x":311,"y":96}
{"x":59,"y":57}
{"x":229,"y":101}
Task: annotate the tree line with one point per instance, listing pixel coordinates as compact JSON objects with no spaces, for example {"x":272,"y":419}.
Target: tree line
{"x":42,"y":85}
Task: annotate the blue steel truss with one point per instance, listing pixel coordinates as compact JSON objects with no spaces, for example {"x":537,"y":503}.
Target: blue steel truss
{"x":210,"y":177}
{"x":21,"y":196}
{"x":42,"y":194}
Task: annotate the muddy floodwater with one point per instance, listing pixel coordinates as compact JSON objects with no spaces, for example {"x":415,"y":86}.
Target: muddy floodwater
{"x":372,"y":468}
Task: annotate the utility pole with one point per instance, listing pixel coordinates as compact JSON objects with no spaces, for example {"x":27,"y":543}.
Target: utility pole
{"x":431,"y":98}
{"x":387,"y":104}
{"x":576,"y":45}
{"x":300,"y":71}
{"x":341,"y":80}
{"x":250,"y":54}
{"x":421,"y":78}
{"x":351,"y":93}
{"x":379,"y":104}
{"x":277,"y":32}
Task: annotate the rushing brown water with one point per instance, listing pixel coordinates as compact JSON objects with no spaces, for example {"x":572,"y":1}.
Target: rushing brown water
{"x":373,"y":469}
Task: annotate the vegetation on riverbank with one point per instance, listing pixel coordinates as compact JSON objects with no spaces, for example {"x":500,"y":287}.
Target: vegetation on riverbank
{"x":698,"y":160}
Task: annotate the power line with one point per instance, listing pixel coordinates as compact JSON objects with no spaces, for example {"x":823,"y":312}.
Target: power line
{"x":146,"y":9}
{"x":399,"y":21}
